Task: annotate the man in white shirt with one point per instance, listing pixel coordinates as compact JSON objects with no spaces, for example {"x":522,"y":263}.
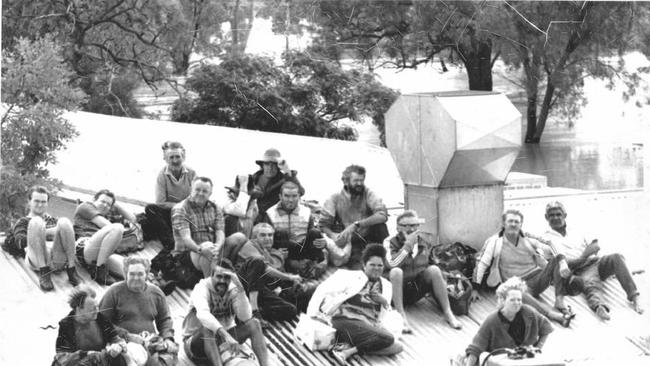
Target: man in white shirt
{"x":583,"y":259}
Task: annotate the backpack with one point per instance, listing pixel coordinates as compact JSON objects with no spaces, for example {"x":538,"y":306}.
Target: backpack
{"x":456,"y":257}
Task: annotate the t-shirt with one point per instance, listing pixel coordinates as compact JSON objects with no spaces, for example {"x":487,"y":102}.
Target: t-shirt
{"x":342,"y":209}
{"x":138,"y":311}
{"x":517,"y":260}
{"x":83,"y":216}
{"x":361,"y":306}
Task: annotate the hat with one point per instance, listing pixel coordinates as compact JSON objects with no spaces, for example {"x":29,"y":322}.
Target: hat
{"x":232,"y":188}
{"x":555,"y":204}
{"x":271,"y":155}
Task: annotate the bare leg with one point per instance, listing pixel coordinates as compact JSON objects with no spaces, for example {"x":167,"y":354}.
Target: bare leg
{"x":63,"y":250}
{"x":37,"y":253}
{"x":103,"y":243}
{"x":253,"y":330}
{"x":433,"y":275}
{"x":210,"y":347}
{"x":397,"y":280}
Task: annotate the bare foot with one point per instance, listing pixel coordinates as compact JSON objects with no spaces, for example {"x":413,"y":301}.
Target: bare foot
{"x":452,"y":321}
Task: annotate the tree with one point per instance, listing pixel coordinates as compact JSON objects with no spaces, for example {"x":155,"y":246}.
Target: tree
{"x":36,"y":91}
{"x":400,"y":34}
{"x":308,"y":96}
{"x":198,"y":29}
{"x":105,"y":42}
{"x":559,"y":44}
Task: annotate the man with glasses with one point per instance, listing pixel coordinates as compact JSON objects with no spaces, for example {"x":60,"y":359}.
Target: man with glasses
{"x":410,"y":273}
{"x":354,"y":217}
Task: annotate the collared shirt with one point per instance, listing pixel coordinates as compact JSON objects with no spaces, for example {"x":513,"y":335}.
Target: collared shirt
{"x":343,"y":209}
{"x":172,"y":190}
{"x":203,"y":222}
{"x":572,"y":245}
{"x":296,"y":222}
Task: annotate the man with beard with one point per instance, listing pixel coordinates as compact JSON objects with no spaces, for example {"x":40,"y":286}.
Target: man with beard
{"x":30,"y":235}
{"x":294,"y":230}
{"x":210,"y":334}
{"x":137,"y":306}
{"x":354,"y":217}
{"x":173,"y":184}
{"x":583,"y":260}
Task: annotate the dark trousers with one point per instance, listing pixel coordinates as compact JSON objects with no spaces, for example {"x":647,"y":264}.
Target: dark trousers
{"x":253,"y":274}
{"x":159,"y":225}
{"x":374,"y":234}
{"x":539,"y":281}
{"x":363,"y":335}
{"x":594,"y":274}
{"x":296,"y":250}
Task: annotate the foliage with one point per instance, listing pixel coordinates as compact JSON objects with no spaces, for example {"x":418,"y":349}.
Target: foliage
{"x":36,"y":90}
{"x":309,"y":96}
{"x":558,"y":44}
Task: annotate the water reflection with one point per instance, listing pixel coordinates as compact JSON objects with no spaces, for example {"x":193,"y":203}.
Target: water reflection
{"x":585,"y":166}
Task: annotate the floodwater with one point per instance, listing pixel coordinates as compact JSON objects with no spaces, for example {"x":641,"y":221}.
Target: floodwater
{"x":587,"y":166}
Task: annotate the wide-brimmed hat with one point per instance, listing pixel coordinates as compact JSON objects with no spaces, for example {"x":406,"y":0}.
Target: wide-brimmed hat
{"x":232,"y":188}
{"x":271,"y":155}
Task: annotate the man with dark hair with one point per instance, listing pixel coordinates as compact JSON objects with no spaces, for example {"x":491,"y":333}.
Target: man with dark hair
{"x":510,"y":253}
{"x":31,"y":233}
{"x":210,"y":334}
{"x":173,"y":185}
{"x":583,"y":260}
{"x":356,"y":303}
{"x":354,"y":217}
{"x":137,"y":306}
{"x":294,"y":230}
{"x":410,"y":273}
{"x":97,"y":237}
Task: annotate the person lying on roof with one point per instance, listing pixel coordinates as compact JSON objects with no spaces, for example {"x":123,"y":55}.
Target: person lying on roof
{"x":584,"y":261}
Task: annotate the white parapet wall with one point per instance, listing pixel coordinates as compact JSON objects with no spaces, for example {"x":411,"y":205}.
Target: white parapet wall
{"x":124,"y":155}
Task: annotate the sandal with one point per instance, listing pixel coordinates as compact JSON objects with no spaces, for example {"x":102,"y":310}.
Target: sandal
{"x":567,"y":311}
{"x":336,"y":351}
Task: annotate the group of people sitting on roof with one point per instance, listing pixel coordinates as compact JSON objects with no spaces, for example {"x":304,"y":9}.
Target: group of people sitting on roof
{"x":258,"y":259}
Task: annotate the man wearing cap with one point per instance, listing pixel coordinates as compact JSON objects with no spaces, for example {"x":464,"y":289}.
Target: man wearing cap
{"x":354,"y":217}
{"x":410,"y":273}
{"x":264,"y":185}
{"x":582,"y":256}
{"x":173,"y":185}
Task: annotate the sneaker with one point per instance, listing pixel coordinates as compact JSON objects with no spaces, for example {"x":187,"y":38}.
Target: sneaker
{"x":102,"y":277}
{"x":45,"y":280}
{"x":73,"y":276}
{"x":602,"y":312}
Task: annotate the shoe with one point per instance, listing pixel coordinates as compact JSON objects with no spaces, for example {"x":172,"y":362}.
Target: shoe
{"x":566,"y":319}
{"x":602,"y":312}
{"x":102,"y":277}
{"x":73,"y":277}
{"x":567,"y":311}
{"x":336,"y":351}
{"x":45,"y":279}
